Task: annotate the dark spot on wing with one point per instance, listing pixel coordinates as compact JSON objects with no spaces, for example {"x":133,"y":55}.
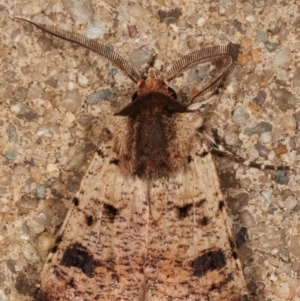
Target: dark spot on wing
{"x":58,"y":239}
{"x":89,"y":220}
{"x":189,"y":159}
{"x":221,"y":205}
{"x":184,"y":211}
{"x":56,"y":243}
{"x":76,"y":255}
{"x":209,"y":261}
{"x":241,"y":237}
{"x":100,"y":153}
{"x":235,"y":255}
{"x":114,"y":161}
{"x":109,"y":212}
{"x":71,"y":283}
{"x":204,"y":154}
{"x":200,"y":203}
{"x":75,"y":201}
{"x":204,"y":221}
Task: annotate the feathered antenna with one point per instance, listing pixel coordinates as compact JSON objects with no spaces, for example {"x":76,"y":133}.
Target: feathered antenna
{"x":102,"y":49}
{"x":226,"y":53}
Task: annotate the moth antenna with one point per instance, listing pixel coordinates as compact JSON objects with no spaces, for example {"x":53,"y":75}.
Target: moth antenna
{"x":218,"y":146}
{"x":228,"y":53}
{"x":102,"y":49}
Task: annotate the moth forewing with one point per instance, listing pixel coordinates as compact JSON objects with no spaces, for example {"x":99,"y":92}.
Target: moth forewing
{"x":148,"y":222}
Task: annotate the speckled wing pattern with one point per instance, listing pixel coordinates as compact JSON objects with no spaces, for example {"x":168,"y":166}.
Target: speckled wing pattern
{"x":129,"y":238}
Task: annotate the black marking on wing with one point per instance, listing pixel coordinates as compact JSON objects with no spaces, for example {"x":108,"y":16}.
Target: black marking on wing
{"x":58,"y":239}
{"x":89,"y":220}
{"x":100,"y":153}
{"x":221,"y":205}
{"x":114,"y":161}
{"x":185,"y":210}
{"x":75,"y":201}
{"x":190,"y":159}
{"x":76,"y":255}
{"x":109,"y":212}
{"x":209,"y":261}
{"x":204,"y":221}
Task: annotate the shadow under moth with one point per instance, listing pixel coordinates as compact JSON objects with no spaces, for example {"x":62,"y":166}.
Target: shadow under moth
{"x":149,"y":222}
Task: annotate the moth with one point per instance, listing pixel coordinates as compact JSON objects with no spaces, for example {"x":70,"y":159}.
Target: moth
{"x":149,"y":222}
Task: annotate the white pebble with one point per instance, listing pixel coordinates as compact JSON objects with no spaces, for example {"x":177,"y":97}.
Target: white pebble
{"x":271,"y":156}
{"x":71,"y":85}
{"x":222,"y":11}
{"x":231,"y":138}
{"x":290,"y":202}
{"x":267,"y":196}
{"x":200,"y":22}
{"x":30,"y":253}
{"x":251,"y":18}
{"x":52,"y":167}
{"x":265,"y":137}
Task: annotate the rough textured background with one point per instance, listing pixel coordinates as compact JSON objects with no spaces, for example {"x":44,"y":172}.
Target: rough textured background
{"x":48,"y":130}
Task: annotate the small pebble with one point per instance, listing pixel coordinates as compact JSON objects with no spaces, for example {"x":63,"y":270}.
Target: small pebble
{"x":240,"y":116}
{"x":30,"y":253}
{"x":81,"y":10}
{"x":76,"y":162}
{"x":99,"y":96}
{"x":284,"y":99}
{"x":34,"y":92}
{"x":24,"y":113}
{"x":132,"y":31}
{"x":40,"y":191}
{"x":200,"y":22}
{"x":35,"y":174}
{"x":45,"y":242}
{"x":20,"y":94}
{"x":45,"y":43}
{"x":281,"y":177}
{"x":260,"y":98}
{"x":169,"y":17}
{"x":259,"y":3}
{"x":288,"y":123}
{"x":82,"y":80}
{"x":95,"y":30}
{"x":262,"y":150}
{"x":290,"y":203}
{"x":259,"y":128}
{"x":267,"y":195}
{"x":45,"y":216}
{"x":198,"y":74}
{"x":11,"y":154}
{"x":271,"y":47}
{"x":261,"y":35}
{"x":10,"y":76}
{"x":250,"y":18}
{"x":72,"y":100}
{"x":12,"y":133}
{"x":139,"y":57}
{"x":231,"y":138}
{"x":247,"y":219}
{"x":282,"y":58}
{"x":26,"y":204}
{"x":265,"y":137}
